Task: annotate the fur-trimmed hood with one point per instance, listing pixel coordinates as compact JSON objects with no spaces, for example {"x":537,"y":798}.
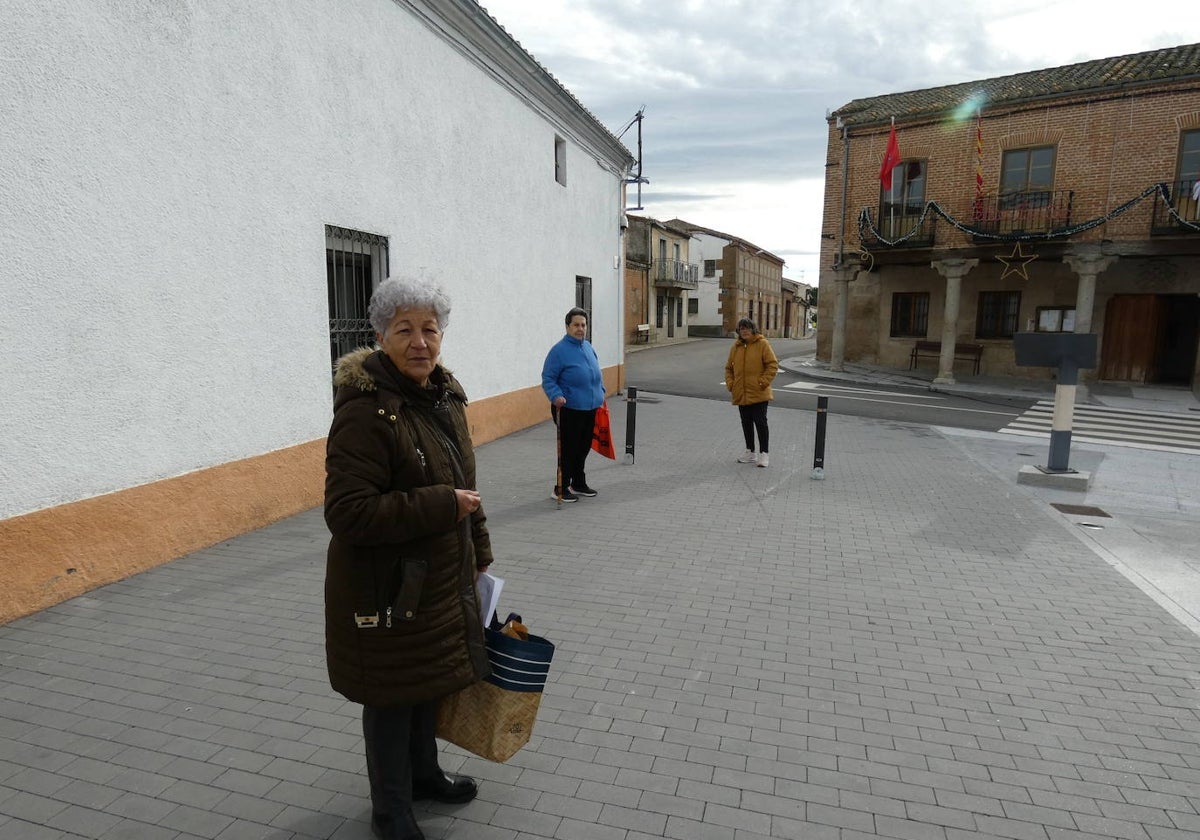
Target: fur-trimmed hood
{"x":362,"y":369}
{"x":349,"y":370}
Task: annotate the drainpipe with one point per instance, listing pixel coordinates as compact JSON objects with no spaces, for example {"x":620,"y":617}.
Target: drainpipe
{"x":837,"y":350}
{"x":845,"y":187}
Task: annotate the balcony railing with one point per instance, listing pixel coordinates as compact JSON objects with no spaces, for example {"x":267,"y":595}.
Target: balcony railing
{"x":675,"y":274}
{"x":903,"y":226}
{"x":1169,"y":218}
{"x":1036,"y":211}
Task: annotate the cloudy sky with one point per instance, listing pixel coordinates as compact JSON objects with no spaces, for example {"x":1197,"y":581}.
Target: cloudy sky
{"x":736,"y":91}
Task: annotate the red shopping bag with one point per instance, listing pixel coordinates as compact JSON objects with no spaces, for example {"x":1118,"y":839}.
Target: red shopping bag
{"x":602,"y":440}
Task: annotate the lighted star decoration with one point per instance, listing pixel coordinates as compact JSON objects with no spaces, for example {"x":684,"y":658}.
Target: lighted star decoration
{"x":1017,"y":263}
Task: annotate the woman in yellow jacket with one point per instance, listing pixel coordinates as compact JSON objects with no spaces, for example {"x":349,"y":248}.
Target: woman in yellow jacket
{"x":748,"y":374}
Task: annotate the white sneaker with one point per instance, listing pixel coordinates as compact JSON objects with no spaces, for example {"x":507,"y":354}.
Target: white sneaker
{"x":747,"y":457}
{"x":764,"y":459}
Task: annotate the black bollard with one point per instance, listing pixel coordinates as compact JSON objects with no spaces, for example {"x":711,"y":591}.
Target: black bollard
{"x":630,"y":422}
{"x":818,"y":472}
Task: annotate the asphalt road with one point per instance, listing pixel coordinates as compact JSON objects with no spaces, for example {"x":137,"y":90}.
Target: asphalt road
{"x":696,"y":369}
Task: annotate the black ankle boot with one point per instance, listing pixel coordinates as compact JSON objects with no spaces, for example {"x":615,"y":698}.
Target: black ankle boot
{"x":452,"y":790}
{"x":399,"y":825}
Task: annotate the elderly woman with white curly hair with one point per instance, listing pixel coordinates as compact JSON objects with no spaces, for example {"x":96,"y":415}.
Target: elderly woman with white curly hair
{"x":402,"y":621}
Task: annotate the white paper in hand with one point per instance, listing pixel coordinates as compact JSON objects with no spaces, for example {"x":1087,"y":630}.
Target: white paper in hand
{"x":489,"y":596}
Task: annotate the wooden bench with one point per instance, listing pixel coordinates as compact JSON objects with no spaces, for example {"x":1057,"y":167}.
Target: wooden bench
{"x":643,"y":333}
{"x":964,"y":352}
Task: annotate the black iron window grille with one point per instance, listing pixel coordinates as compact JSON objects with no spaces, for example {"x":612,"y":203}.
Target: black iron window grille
{"x":355,"y":263}
{"x":997,"y":314}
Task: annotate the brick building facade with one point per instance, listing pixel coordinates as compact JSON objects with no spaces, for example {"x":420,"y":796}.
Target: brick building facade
{"x":1054,"y":200}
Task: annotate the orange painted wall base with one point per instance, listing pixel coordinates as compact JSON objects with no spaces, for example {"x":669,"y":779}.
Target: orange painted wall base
{"x":58,"y":553}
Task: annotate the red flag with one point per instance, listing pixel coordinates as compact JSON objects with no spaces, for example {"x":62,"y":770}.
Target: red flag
{"x":891,"y":157}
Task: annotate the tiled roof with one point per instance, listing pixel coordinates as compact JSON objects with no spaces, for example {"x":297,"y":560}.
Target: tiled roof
{"x":554,"y":79}
{"x":688,"y":227}
{"x":1104,"y":74}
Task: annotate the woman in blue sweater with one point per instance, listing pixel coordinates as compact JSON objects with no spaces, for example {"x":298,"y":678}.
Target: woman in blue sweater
{"x":574,"y":385}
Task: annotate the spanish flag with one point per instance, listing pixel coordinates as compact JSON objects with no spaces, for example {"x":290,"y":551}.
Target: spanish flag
{"x":891,"y":157}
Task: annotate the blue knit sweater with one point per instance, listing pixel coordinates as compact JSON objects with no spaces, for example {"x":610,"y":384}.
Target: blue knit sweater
{"x":572,"y":370}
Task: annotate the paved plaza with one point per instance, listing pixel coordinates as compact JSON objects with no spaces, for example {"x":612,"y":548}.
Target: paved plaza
{"x":914,"y":648}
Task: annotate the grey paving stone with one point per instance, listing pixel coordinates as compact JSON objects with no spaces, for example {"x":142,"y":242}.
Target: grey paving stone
{"x":908,"y":649}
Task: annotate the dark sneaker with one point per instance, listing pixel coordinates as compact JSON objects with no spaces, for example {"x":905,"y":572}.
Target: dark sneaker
{"x":567,"y":495}
{"x":582,"y":490}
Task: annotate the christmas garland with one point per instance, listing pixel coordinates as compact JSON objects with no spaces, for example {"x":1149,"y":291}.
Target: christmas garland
{"x":867,"y":225}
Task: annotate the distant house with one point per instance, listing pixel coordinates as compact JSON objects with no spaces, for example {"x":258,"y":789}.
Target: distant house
{"x":660,"y":279}
{"x":1058,"y":200}
{"x":738,"y":280}
{"x":796,"y":306}
{"x":197,"y":202}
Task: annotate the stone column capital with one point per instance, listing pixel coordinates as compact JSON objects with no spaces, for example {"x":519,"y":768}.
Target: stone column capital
{"x":953,"y":268}
{"x":1089,"y":264}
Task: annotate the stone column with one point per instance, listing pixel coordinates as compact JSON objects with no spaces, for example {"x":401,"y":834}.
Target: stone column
{"x":1087,"y":266}
{"x":953,"y":270}
{"x":841,"y":300}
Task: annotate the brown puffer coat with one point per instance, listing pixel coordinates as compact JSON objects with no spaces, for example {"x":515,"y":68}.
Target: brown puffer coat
{"x":749,"y":371}
{"x":395,"y":453}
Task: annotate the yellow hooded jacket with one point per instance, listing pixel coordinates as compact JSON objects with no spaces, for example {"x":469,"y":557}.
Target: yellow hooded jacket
{"x":748,"y":373}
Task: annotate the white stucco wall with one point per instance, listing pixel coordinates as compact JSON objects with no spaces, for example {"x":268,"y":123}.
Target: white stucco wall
{"x":703,"y":247}
{"x":166,"y":172}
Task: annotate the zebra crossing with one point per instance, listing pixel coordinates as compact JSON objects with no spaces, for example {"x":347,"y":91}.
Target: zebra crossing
{"x":1160,"y":431}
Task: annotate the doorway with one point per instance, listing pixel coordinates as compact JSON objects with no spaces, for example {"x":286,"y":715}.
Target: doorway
{"x":1151,"y":339}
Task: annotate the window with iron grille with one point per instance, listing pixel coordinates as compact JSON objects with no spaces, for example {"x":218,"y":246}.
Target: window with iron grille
{"x":693,"y":306}
{"x":355,"y":263}
{"x":710,"y":268}
{"x":910,"y":314}
{"x":997,"y":314}
{"x":679,"y":313}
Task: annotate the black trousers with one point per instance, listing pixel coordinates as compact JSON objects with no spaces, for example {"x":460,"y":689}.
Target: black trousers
{"x":400,"y":747}
{"x":576,"y":430}
{"x":754,"y":417}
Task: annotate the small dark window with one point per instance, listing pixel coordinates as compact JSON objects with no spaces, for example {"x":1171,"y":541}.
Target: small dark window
{"x":710,"y":268}
{"x":910,"y":314}
{"x":693,"y":306}
{"x":583,"y":299}
{"x":560,"y":160}
{"x":997,"y":314}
